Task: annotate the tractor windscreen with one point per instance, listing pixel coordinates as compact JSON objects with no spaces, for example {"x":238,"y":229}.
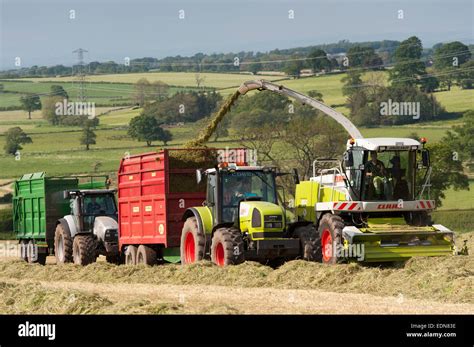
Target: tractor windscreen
{"x":242,"y":185}
{"x":95,"y":205}
{"x":388,"y":175}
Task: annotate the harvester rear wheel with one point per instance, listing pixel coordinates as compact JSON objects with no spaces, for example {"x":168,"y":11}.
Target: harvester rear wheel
{"x":193,"y":242}
{"x":227,"y":247}
{"x":330,"y":231}
{"x":62,"y":245}
{"x":310,"y":241}
{"x":84,"y":249}
{"x":131,"y":255}
{"x":146,"y":255}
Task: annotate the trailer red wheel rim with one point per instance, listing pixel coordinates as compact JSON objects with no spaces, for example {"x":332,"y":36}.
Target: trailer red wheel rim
{"x":189,"y":249}
{"x":326,"y":243}
{"x":219,"y":254}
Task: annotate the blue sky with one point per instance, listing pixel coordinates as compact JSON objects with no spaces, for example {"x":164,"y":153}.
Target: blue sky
{"x":41,"y":32}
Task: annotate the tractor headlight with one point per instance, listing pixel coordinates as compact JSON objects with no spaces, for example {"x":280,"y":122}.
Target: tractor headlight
{"x":273,"y":221}
{"x":273,"y":225}
{"x":256,"y":218}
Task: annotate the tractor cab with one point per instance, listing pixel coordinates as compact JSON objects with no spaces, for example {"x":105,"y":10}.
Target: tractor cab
{"x":229,"y":185}
{"x":92,"y":206}
{"x":385,"y":169}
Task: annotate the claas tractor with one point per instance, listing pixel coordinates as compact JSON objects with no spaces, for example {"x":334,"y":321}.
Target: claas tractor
{"x":373,"y":205}
{"x":241,"y":219}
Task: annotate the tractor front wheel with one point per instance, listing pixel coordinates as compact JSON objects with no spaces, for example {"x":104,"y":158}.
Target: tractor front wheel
{"x":330,"y":231}
{"x":62,"y":245}
{"x":84,"y":249}
{"x":310,"y":243}
{"x":193,"y":242}
{"x":227,"y":247}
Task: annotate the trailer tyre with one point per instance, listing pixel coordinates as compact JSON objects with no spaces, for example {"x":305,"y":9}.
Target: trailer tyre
{"x":24,"y":250}
{"x":84,"y":249}
{"x":32,"y":254}
{"x":330,"y":231}
{"x":227,"y":247}
{"x":131,"y":255}
{"x":146,"y":255}
{"x":193,"y":242}
{"x":310,"y":242}
{"x":63,"y":245}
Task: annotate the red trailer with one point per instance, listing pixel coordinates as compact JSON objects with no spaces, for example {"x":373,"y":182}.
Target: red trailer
{"x":154,"y":191}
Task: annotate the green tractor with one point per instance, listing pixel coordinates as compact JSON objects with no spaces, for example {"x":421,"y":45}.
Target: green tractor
{"x":241,"y":219}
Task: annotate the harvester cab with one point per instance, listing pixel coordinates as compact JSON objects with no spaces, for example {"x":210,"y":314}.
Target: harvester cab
{"x":241,"y":219}
{"x":90,"y":229}
{"x":374,"y":201}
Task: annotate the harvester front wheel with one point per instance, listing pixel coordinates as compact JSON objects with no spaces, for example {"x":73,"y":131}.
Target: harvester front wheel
{"x":146,"y":255}
{"x":227,"y":247}
{"x":310,"y":242}
{"x":193,"y":242}
{"x":62,"y":245}
{"x":330,"y":231}
{"x":84,"y":249}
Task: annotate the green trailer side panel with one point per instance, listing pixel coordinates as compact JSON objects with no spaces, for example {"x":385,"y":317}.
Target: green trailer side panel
{"x":37,"y":204}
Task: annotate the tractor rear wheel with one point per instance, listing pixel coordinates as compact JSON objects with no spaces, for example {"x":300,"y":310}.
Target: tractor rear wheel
{"x":131,"y":255}
{"x":62,"y":245}
{"x":310,"y":242}
{"x":84,"y":249}
{"x":330,"y":231}
{"x":227,"y":247}
{"x":146,"y":255}
{"x":193,"y":242}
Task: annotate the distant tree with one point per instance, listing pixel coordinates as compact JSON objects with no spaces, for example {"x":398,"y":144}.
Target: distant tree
{"x":360,"y":56}
{"x":199,"y":79}
{"x":254,"y":67}
{"x":465,"y":76}
{"x":57,"y":90}
{"x":49,"y":109}
{"x":14,"y":138}
{"x":146,"y":128}
{"x":429,"y":84}
{"x":448,"y":59}
{"x":408,"y":66}
{"x":88,"y":135}
{"x":141,"y":91}
{"x":293,"y":67}
{"x":30,"y":103}
{"x":318,"y":60}
{"x":352,"y":82}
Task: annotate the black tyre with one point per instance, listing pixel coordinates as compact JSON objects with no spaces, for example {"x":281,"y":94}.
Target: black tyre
{"x":310,"y":242}
{"x":146,"y":255}
{"x":24,"y":250}
{"x":227,"y":247}
{"x":62,"y":245}
{"x":84,"y":249}
{"x":131,"y":255}
{"x":193,"y":242}
{"x":330,"y":233}
{"x":113,"y":259}
{"x":33,"y":255}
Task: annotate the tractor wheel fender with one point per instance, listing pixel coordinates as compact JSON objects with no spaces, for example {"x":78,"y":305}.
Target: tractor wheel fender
{"x":71,"y":224}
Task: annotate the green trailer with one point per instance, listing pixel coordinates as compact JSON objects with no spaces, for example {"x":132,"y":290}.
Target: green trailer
{"x":38,"y":204}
